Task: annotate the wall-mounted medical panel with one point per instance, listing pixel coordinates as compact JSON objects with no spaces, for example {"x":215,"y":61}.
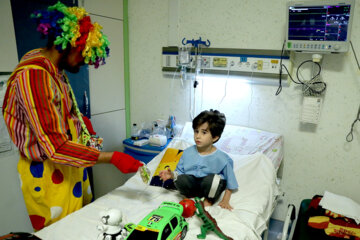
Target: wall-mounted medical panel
{"x":242,"y":62}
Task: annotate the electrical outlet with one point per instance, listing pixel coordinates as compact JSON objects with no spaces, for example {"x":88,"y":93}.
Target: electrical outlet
{"x":205,"y":63}
{"x":310,"y":112}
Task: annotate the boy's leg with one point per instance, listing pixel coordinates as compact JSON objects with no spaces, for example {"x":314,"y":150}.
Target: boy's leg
{"x":188,"y":185}
{"x":212,"y":186}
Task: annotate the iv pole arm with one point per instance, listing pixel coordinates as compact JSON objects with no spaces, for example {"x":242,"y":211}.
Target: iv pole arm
{"x":196,"y":43}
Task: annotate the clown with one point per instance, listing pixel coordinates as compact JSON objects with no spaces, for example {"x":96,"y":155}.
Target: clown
{"x":44,"y":122}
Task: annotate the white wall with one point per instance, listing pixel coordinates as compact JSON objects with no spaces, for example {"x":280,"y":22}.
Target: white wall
{"x":9,"y":58}
{"x":14,"y":216}
{"x":13,"y":212}
{"x":317,"y":158}
{"x":107,"y":96}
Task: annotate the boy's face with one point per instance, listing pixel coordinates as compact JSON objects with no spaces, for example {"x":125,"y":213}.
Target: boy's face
{"x":203,"y":137}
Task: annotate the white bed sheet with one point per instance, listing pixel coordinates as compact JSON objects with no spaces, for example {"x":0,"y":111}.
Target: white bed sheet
{"x":253,"y":203}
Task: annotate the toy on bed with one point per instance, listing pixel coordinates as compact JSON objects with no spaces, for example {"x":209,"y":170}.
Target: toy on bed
{"x":169,"y":160}
{"x":145,"y":173}
{"x":112,"y":227}
{"x":210,"y":223}
{"x":189,"y":207}
{"x":165,"y":222}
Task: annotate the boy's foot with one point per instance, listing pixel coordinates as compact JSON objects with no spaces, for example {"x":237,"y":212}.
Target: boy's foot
{"x":207,"y":203}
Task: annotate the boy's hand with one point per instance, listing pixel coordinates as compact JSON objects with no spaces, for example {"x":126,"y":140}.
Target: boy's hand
{"x":165,"y":174}
{"x":225,"y":202}
{"x":225,"y":205}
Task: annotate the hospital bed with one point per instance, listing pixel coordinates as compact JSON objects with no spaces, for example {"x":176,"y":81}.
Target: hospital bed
{"x":257,"y":157}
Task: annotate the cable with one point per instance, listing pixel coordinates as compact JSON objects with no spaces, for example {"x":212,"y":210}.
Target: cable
{"x":197,"y":73}
{"x":202,"y":89}
{"x":350,"y":136}
{"x":226,"y":82}
{"x":311,"y":85}
{"x":297,"y":71}
{"x":182,"y":75}
{"x":251,"y":98}
{"x":355,"y":55}
{"x":172,"y":89}
{"x":190,"y":103}
{"x":308,"y":84}
{"x":194,"y":102}
{"x":290,"y":75}
{"x":278,"y":91}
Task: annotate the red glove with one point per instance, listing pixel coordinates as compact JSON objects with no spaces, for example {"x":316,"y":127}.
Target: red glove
{"x":125,"y":163}
{"x":89,"y":125}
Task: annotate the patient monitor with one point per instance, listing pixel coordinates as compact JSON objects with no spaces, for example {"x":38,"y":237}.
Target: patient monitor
{"x":319,"y":26}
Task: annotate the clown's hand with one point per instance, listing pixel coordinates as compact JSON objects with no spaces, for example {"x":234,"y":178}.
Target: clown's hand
{"x":125,"y":163}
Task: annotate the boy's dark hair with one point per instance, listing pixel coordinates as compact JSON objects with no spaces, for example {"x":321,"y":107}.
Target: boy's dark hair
{"x":214,"y":118}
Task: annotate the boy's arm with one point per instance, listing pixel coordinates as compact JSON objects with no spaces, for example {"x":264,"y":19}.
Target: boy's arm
{"x":225,"y":202}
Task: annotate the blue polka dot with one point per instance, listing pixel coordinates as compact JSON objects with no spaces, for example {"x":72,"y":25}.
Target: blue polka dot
{"x":77,"y":191}
{"x":37,"y":169}
{"x":37,"y":189}
{"x":85,"y":175}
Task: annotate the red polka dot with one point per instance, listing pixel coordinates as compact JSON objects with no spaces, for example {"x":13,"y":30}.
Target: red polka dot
{"x":37,"y":222}
{"x":57,"y":177}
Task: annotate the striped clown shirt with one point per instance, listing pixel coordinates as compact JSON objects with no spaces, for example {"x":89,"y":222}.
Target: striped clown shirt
{"x":37,"y":109}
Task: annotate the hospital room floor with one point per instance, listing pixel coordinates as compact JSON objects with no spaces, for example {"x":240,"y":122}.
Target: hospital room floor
{"x":275,"y":229}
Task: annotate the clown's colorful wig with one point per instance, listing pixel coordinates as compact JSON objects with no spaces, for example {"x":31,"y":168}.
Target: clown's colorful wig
{"x":71,"y":25}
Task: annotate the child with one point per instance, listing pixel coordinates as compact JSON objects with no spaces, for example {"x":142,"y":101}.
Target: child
{"x":204,"y":170}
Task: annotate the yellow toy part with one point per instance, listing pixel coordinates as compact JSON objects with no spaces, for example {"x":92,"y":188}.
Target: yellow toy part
{"x":169,"y":160}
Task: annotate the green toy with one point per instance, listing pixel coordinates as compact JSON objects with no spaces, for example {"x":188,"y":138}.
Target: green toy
{"x":145,"y":173}
{"x":210,"y":223}
{"x":165,"y":222}
{"x":130,"y":226}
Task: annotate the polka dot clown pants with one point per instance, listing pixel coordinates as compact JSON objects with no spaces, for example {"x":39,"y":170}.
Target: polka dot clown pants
{"x":52,"y":191}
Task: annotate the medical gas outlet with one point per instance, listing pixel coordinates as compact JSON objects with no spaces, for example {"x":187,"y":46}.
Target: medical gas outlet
{"x":234,"y":60}
{"x":249,"y":64}
{"x":255,"y":65}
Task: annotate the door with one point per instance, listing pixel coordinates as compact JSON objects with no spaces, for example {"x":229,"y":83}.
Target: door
{"x":27,"y":38}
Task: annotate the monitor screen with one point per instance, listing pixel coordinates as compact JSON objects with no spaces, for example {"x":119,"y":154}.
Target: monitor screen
{"x":319,"y":23}
{"x":324,"y":27}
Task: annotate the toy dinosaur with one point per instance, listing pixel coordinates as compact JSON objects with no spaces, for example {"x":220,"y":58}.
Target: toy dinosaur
{"x":210,"y":223}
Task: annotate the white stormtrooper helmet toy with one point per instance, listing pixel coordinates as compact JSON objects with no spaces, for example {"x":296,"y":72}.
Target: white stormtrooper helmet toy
{"x":111,"y":220}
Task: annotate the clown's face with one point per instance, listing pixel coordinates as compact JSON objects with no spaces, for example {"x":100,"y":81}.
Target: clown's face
{"x":71,"y":60}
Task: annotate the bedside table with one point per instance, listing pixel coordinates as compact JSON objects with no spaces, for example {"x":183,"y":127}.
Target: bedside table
{"x":143,"y":153}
